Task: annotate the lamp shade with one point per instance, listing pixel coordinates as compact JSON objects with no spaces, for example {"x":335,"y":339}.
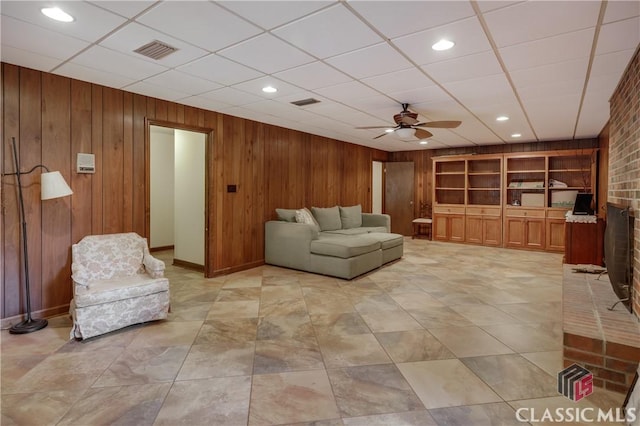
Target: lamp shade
{"x":53,"y":185}
{"x":405,"y":133}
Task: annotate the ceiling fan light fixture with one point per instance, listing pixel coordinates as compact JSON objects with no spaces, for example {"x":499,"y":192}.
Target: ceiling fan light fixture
{"x":502,"y":118}
{"x":443,"y":44}
{"x":424,"y":142}
{"x":389,"y":130}
{"x":516,"y":135}
{"x":56,"y":14}
{"x":405,"y":133}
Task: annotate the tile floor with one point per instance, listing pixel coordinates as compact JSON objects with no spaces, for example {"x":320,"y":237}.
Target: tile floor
{"x":451,"y":334}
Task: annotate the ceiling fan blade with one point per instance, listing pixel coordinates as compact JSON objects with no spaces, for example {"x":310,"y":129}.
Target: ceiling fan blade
{"x":375,"y":127}
{"x":423,"y":134}
{"x":440,"y":124}
{"x":407,"y":119}
{"x":379,"y":136}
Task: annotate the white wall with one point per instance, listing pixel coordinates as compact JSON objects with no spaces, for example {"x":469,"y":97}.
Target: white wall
{"x":162,"y":187}
{"x":376,"y":190}
{"x":189,"y":196}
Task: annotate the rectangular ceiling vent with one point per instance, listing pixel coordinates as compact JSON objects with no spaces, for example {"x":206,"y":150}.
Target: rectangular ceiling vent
{"x":305,"y":102}
{"x":156,"y":50}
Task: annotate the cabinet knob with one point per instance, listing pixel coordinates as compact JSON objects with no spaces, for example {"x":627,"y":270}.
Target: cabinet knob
{"x":525,"y":213}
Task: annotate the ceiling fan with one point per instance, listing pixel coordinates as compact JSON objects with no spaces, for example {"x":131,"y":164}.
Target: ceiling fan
{"x":407,"y":125}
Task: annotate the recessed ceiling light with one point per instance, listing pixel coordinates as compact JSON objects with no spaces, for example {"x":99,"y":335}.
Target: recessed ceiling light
{"x":424,"y":142}
{"x":443,"y":45}
{"x":502,"y":118}
{"x":389,"y":130}
{"x":516,"y":135}
{"x":57,"y":14}
{"x":269,"y":89}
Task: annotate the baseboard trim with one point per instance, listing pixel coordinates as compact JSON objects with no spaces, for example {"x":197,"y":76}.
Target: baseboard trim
{"x":8,"y":322}
{"x":237,"y":268}
{"x":188,"y":265}
{"x":161,"y":248}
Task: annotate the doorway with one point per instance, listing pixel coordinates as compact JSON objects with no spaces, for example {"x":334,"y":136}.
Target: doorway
{"x":177,"y":220}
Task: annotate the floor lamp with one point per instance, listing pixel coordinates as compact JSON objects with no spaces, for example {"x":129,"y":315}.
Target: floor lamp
{"x":52,"y":185}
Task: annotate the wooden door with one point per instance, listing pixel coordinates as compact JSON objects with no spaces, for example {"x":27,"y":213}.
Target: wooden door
{"x":555,"y":234}
{"x":492,"y":231}
{"x":440,"y":231}
{"x":474,"y":229}
{"x":534,"y":229}
{"x":398,"y":196}
{"x":456,"y":226}
{"x":514,"y":232}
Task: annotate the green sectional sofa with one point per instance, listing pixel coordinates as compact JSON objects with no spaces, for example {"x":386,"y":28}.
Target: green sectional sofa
{"x":337,"y":241}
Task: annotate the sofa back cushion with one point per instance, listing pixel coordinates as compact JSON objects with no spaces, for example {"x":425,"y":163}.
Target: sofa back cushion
{"x":109,"y":256}
{"x":287,"y":215}
{"x":351,"y":217}
{"x":328,"y":218}
{"x":304,"y":216}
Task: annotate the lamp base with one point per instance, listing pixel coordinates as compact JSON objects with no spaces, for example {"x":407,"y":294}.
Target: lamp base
{"x":28,"y":326}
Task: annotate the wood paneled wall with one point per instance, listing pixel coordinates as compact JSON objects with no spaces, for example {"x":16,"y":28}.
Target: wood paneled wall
{"x":423,"y":160}
{"x":53,"y":118}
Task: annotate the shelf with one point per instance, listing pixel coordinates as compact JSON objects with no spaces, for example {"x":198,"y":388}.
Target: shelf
{"x":483,"y":173}
{"x":565,"y":188}
{"x":449,"y":189}
{"x":526,"y":171}
{"x":484,"y":189}
{"x":449,"y":173}
{"x":570,"y":170}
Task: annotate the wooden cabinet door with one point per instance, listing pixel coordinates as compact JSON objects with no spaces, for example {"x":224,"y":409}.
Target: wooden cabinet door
{"x":473,"y":231}
{"x":492,"y":231}
{"x":514,"y":232}
{"x":440,"y":228}
{"x":456,"y":226}
{"x":534,"y":233}
{"x":555,"y":234}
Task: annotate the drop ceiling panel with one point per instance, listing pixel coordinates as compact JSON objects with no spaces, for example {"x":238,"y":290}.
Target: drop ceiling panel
{"x":619,"y":10}
{"x":267,"y":54}
{"x":219,"y":69}
{"x":370,"y":61}
{"x":479,"y":91}
{"x":550,"y":50}
{"x":182,"y":82}
{"x":398,"y":18}
{"x":592,"y":117}
{"x":133,"y":36}
{"x":464,"y":68}
{"x":329,"y":32}
{"x":231,"y":96}
{"x":347,"y":91}
{"x":160,"y":92}
{"x":93,"y":75}
{"x":487,"y":6}
{"x":209,"y":26}
{"x":399,"y":81}
{"x":29,"y":37}
{"x":621,"y":35}
{"x":547,"y":74}
{"x":314,"y":75}
{"x":128,"y":8}
{"x":467,"y":34}
{"x":255,"y":86}
{"x":269,"y":15}
{"x":90,"y":22}
{"x":35,"y":61}
{"x":558,"y":17}
{"x":107,"y":60}
{"x":419,"y":95}
{"x":553,"y":118}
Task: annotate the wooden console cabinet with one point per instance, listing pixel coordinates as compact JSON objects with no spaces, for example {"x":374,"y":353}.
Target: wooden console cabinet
{"x":584,"y":243}
{"x":513,"y":200}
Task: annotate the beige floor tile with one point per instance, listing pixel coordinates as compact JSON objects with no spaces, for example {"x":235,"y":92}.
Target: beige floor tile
{"x":373,"y":389}
{"x":546,"y":336}
{"x":469,"y":341}
{"x":47,"y":407}
{"x":294,"y":397}
{"x":446,"y":383}
{"x":383,"y":321}
{"x":165,"y":333}
{"x":297,"y":326}
{"x":550,"y":361}
{"x":413,"y":345}
{"x":357,"y":349}
{"x":498,"y":413}
{"x":282,"y":355}
{"x":216,"y":331}
{"x":222,"y":359}
{"x":484,"y":314}
{"x":239,"y":309}
{"x":216,"y":401}
{"x":409,"y":418}
{"x":419,"y":300}
{"x":344,"y":323}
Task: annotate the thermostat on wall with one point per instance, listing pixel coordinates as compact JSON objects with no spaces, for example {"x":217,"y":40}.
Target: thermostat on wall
{"x":86,"y":163}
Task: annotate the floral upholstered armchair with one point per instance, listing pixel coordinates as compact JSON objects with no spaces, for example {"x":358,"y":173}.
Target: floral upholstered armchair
{"x":116,"y":283}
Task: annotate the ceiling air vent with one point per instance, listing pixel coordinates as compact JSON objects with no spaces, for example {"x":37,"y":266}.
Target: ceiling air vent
{"x":305,"y":102}
{"x":155,"y":50}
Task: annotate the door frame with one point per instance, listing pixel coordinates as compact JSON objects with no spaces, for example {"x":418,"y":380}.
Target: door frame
{"x":209,"y":202}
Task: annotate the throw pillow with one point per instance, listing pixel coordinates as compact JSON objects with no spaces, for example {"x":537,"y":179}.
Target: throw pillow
{"x":288,"y":215}
{"x":328,"y":218}
{"x":305,"y":216}
{"x":351,"y":217}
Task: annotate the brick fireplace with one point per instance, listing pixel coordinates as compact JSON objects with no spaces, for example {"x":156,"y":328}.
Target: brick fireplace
{"x":624,"y":156}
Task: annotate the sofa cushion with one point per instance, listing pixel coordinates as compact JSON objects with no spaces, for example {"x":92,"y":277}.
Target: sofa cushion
{"x":344,"y":247}
{"x":352,"y":231}
{"x":110,"y":290}
{"x":304,"y":216}
{"x":287,"y":215}
{"x":351,"y":217}
{"x":328,"y":217}
{"x":387,"y":240}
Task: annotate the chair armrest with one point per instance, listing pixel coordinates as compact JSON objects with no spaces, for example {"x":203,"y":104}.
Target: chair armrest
{"x":376,"y":219}
{"x":80,"y":275}
{"x":155,"y":267}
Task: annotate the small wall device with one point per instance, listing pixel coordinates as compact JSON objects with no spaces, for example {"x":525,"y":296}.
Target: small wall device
{"x":86,"y":163}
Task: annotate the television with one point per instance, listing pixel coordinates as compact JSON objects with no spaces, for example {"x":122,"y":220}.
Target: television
{"x":618,"y":252}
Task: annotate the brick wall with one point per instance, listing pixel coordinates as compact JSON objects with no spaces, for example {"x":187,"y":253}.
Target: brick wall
{"x":624,"y":155}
